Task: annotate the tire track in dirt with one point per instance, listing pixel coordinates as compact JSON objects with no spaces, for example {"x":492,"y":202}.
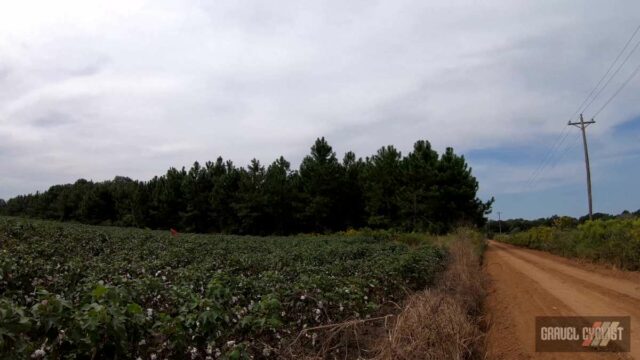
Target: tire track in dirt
{"x":527,"y":283}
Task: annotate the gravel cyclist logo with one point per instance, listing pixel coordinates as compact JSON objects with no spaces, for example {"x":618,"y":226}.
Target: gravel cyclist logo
{"x":601,"y":333}
{"x":574,"y":334}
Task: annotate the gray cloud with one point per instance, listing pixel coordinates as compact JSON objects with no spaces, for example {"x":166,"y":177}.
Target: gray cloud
{"x":94,"y":89}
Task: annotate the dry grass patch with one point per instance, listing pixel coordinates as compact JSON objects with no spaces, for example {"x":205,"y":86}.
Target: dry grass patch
{"x":443,"y":322}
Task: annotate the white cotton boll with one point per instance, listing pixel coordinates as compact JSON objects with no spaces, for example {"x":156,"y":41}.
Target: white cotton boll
{"x":39,"y":353}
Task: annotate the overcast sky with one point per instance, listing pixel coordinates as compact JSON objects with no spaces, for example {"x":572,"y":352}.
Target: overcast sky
{"x":94,"y":89}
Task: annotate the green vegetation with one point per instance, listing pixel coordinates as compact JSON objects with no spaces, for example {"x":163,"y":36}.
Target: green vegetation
{"x":614,"y":241}
{"x":85,"y":292}
{"x":422,"y":191}
{"x":516,"y":225}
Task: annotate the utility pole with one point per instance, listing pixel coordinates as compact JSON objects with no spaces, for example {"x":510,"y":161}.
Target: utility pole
{"x":499,"y":223}
{"x":582,"y":125}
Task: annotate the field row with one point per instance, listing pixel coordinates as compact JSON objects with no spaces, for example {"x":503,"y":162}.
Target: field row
{"x":101,"y":292}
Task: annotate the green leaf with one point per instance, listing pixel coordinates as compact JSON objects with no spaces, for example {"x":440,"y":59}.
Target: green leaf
{"x":134,"y":309}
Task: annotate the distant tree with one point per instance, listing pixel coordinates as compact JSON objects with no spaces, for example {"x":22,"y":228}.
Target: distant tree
{"x":353,"y":203}
{"x":250,"y":202}
{"x":168,"y":200}
{"x":197,"y":186}
{"x":421,"y":192}
{"x":282,"y":198}
{"x":98,"y":206}
{"x":321,"y":179}
{"x":455,"y":196}
{"x":565,"y":222}
{"x":382,"y":184}
{"x":418,"y":194}
{"x":226,"y":180}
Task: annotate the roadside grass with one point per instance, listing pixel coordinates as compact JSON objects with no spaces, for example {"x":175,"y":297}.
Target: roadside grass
{"x":615,"y":242}
{"x":444,"y":321}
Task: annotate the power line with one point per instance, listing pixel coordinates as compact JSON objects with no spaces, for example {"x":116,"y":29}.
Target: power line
{"x":580,"y":109}
{"x":562,"y":137}
{"x":556,"y":143}
{"x":631,"y":76}
{"x":613,"y":75}
{"x":567,"y":149}
{"x":547,"y":159}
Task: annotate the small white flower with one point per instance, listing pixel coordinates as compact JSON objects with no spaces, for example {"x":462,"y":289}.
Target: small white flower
{"x":39,"y":353}
{"x":194,"y":352}
{"x":231,"y":343}
{"x":318,"y":312}
{"x":366,"y":298}
{"x":153,"y":357}
{"x":149,"y":312}
{"x":302,"y":297}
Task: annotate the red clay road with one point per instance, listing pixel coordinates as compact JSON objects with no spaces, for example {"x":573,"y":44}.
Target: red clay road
{"x":527,"y":283}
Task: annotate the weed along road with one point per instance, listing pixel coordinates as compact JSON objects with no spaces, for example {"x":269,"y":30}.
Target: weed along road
{"x":527,"y":283}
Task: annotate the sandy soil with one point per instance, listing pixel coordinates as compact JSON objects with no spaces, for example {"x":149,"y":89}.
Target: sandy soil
{"x":527,"y":283}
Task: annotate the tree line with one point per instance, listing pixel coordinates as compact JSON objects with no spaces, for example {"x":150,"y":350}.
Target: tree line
{"x":422,"y":191}
{"x":565,"y":222}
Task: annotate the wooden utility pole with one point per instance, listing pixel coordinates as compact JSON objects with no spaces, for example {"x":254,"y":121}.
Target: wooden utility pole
{"x":582,"y":125}
{"x":499,"y":223}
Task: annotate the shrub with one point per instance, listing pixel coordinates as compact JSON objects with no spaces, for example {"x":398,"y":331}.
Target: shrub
{"x":613,"y":241}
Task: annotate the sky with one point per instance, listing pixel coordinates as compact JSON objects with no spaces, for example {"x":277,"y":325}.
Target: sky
{"x":95,"y":89}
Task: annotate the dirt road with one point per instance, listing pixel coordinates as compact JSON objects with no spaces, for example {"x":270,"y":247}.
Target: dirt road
{"x":527,"y":283}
